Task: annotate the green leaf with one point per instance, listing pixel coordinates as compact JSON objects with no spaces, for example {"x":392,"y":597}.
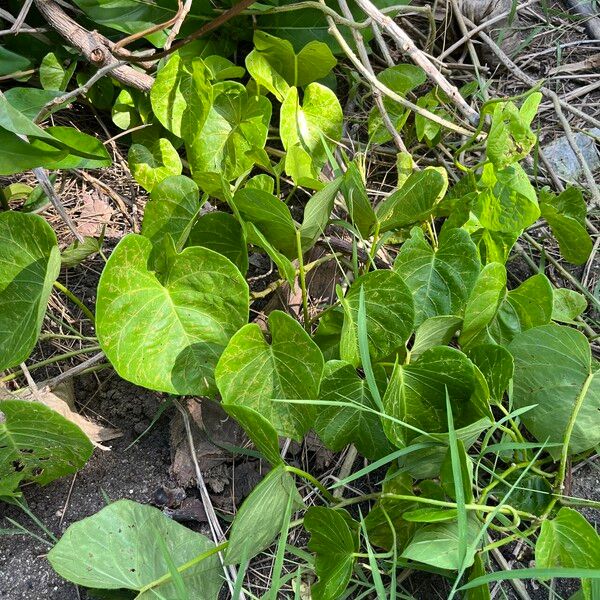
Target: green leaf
{"x":30,"y":101}
{"x":415,"y":201}
{"x":261,"y":516}
{"x":37,"y":444}
{"x":53,"y":75}
{"x":117,"y":548}
{"x":166,"y":331}
{"x":305,"y":127}
{"x":221,"y":68}
{"x":430,"y":515}
{"x":510,"y":137}
{"x":274,"y":64}
{"x":566,"y":215}
{"x":334,"y":539}
{"x":568,"y":540}
{"x":255,"y":237}
{"x":447,"y":473}
{"x":389,"y":311}
{"x":182,"y":96}
{"x":271,"y":216}
{"x":508,"y":202}
{"x":317,"y":212}
{"x":400,"y":79}
{"x":356,"y":198}
{"x":481,"y":592}
{"x":497,"y":366}
{"x":344,"y":425}
{"x":29,"y":265}
{"x":149,"y":166}
{"x":173,"y":206}
{"x":222,"y":233}
{"x":438,"y":544}
{"x":483,"y":303}
{"x":253,"y":373}
{"x":75,"y":253}
{"x":260,"y":431}
{"x":13,"y":120}
{"x":440,"y":279}
{"x":416,"y":394}
{"x":11,"y":62}
{"x":555,"y":374}
{"x":567,"y":305}
{"x":435,"y":331}
{"x":237,"y":124}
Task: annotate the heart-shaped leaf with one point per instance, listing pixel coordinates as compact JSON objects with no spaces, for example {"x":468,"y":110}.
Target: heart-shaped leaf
{"x":29,"y":265}
{"x":440,"y":279}
{"x":567,"y":305}
{"x":37,"y":444}
{"x":165,"y":331}
{"x":136,"y":560}
{"x":390,"y":316}
{"x":237,"y":124}
{"x":554,"y":373}
{"x":253,"y":373}
{"x":182,"y":96}
{"x":304,"y":128}
{"x":334,"y":539}
{"x":339,"y":426}
{"x":150,"y":165}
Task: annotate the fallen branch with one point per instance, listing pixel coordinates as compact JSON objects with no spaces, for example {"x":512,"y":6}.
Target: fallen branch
{"x":95,"y":47}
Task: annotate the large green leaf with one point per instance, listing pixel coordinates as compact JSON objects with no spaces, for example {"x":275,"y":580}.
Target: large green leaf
{"x":222,"y":233}
{"x":415,"y":201}
{"x":253,"y":373}
{"x":440,"y":279}
{"x":237,"y":124}
{"x":166,"y":331}
{"x":271,"y":216}
{"x":568,"y":540}
{"x":334,"y":539}
{"x":554,"y":373}
{"x":132,"y":546}
{"x":29,"y":265}
{"x":275,"y":65}
{"x":173,"y":206}
{"x":416,"y":394}
{"x":37,"y":444}
{"x":438,"y":544}
{"x":150,"y":165}
{"x":182,"y":96}
{"x":390,"y":316}
{"x":341,"y":425}
{"x":260,"y":517}
{"x":304,"y":128}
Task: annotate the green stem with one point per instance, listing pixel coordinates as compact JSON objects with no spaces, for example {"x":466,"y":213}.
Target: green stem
{"x":302,"y":278}
{"x":75,"y":300}
{"x":50,"y":361}
{"x":184,"y":567}
{"x":312,"y":480}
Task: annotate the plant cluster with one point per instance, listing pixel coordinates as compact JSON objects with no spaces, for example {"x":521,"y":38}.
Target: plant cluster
{"x":470,"y":397}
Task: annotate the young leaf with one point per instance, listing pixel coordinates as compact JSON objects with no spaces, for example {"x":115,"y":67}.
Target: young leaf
{"x":316,"y":213}
{"x":222,"y":233}
{"x":440,"y":279}
{"x":303,"y":127}
{"x":356,"y":198}
{"x":76,"y":252}
{"x":149,"y":166}
{"x":53,"y":75}
{"x":497,"y":365}
{"x":166,"y":331}
{"x":334,"y":539}
{"x":29,"y":265}
{"x":182,"y":96}
{"x":343,"y":425}
{"x":237,"y":124}
{"x":567,"y":305}
{"x":435,"y":331}
{"x":173,"y":206}
{"x":260,"y":517}
{"x":255,"y":237}
{"x":37,"y":444}
{"x":117,"y":548}
{"x":568,"y":540}
{"x":415,"y":201}
{"x":253,"y":373}
{"x":554,"y":373}
{"x":390,"y":316}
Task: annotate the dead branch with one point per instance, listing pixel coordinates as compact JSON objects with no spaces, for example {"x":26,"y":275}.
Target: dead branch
{"x":95,"y":47}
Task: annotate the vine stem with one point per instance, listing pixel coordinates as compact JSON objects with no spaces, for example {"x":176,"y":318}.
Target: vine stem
{"x":312,"y":480}
{"x":75,"y":300}
{"x":302,"y":279}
